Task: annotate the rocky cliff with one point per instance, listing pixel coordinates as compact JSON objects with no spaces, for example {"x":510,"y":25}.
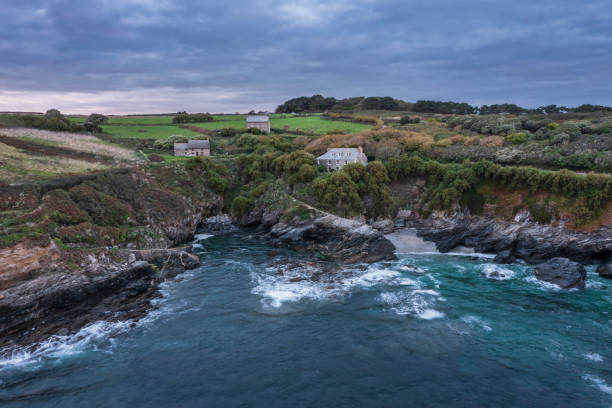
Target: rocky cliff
{"x":519,"y":238}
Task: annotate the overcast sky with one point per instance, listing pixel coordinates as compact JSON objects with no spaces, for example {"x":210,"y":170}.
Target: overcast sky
{"x":145,"y":56}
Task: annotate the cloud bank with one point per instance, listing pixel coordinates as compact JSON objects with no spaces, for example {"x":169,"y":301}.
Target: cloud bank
{"x":119,"y":56}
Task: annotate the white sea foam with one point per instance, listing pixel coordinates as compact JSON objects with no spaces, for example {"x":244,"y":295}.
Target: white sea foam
{"x":418,"y":303}
{"x":598,"y":382}
{"x":430,"y":314}
{"x":201,"y":237}
{"x":493,"y":271}
{"x":93,"y":336}
{"x":198,"y":246}
{"x":593,"y":357}
{"x":477,"y":321}
{"x":543,"y":285}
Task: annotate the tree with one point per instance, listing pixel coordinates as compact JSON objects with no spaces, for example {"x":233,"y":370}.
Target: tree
{"x":93,"y":122}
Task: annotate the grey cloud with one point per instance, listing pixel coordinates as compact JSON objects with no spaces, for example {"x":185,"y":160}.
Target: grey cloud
{"x":525,"y":52}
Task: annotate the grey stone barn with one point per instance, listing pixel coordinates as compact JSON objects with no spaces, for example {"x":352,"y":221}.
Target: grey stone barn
{"x":336,"y":158}
{"x":192,"y":148}
{"x":261,"y":122}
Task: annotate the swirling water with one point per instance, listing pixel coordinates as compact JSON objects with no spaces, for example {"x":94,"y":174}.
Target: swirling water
{"x":426,"y":330}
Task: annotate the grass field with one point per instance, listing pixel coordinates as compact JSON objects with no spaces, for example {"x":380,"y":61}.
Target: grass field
{"x":146,"y":132}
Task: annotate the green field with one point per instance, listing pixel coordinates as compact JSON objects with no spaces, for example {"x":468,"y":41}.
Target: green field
{"x":146,"y":132}
{"x":305,"y":123}
{"x":159,"y":127}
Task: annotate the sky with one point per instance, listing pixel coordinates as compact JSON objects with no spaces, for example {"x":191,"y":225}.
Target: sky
{"x":152,"y":56}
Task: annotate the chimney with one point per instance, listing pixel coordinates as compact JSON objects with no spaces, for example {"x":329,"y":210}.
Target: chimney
{"x":329,"y":148}
{"x":360,"y":149}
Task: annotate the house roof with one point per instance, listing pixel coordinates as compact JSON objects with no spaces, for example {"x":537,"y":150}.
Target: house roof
{"x":257,"y":118}
{"x":198,"y":144}
{"x":343,"y":153}
{"x":180,"y":146}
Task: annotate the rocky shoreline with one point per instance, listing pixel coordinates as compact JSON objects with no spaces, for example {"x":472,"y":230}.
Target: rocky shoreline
{"x":520,"y":238}
{"x":120,"y":284}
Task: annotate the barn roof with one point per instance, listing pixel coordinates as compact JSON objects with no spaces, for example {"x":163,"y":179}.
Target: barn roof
{"x":198,"y":144}
{"x":344,"y":153}
{"x":257,"y":118}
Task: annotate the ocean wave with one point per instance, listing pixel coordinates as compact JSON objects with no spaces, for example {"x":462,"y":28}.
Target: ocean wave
{"x":418,"y":303}
{"x":201,"y":237}
{"x":493,"y":271}
{"x":598,"y":382}
{"x":477,"y":321}
{"x":593,"y":357}
{"x":543,"y":285}
{"x":92,"y":336}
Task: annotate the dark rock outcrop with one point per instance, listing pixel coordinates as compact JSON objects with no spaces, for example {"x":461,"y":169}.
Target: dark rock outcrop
{"x":520,"y":238}
{"x":335,"y":238}
{"x":562,"y":272}
{"x":605,"y":270}
{"x":104,"y":289}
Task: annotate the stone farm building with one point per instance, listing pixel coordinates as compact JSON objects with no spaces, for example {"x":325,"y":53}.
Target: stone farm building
{"x":192,"y":148}
{"x":261,"y":122}
{"x":336,"y":158}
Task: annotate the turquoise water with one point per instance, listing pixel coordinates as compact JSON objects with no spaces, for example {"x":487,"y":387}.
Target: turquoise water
{"x":427,"y":331}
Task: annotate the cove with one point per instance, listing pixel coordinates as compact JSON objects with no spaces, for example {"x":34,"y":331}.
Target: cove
{"x":245,"y":330}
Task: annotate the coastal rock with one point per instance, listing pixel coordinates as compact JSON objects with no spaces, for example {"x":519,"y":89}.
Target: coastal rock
{"x":117,"y":284}
{"x":218,"y":223}
{"x":605,"y":270}
{"x":562,"y":272}
{"x":519,"y":238}
{"x":335,"y":238}
{"x":385,"y":226}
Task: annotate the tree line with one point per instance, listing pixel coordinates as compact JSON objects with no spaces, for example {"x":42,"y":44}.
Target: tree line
{"x":318,"y":103}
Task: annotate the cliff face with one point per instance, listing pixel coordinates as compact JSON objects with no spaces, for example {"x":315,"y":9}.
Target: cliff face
{"x":87,"y":248}
{"x":519,"y":238}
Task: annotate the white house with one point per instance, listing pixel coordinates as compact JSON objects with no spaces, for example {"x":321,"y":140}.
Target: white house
{"x":260,"y":122}
{"x":336,"y":158}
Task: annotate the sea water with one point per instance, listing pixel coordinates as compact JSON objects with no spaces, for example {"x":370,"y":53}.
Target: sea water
{"x":427,"y":330}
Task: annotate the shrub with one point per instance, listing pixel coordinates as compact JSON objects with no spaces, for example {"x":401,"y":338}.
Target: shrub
{"x":492,"y":141}
{"x":405,"y":120}
{"x":517,"y":138}
{"x":387,"y":149}
{"x":242,"y":205}
{"x":168,"y":144}
{"x":248,"y":141}
{"x":228,"y":132}
{"x":552,"y":125}
{"x":335,"y":132}
{"x":338,"y":192}
{"x":157,"y":158}
{"x":457,"y":139}
{"x":471,"y":141}
{"x":444,"y":142}
{"x":184,"y":117}
{"x":253,"y":131}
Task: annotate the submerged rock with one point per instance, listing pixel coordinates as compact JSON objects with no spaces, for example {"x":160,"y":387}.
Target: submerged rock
{"x":605,"y":270}
{"x":562,"y":272}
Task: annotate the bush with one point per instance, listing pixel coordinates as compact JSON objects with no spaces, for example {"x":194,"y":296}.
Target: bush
{"x":184,"y":117}
{"x":552,"y":125}
{"x":339,"y":193}
{"x":248,"y":142}
{"x":406,"y":120}
{"x":492,"y":141}
{"x":335,"y":132}
{"x":228,"y":132}
{"x":168,"y":144}
{"x":242,"y":205}
{"x":253,"y":131}
{"x":156,"y":158}
{"x":517,"y":138}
